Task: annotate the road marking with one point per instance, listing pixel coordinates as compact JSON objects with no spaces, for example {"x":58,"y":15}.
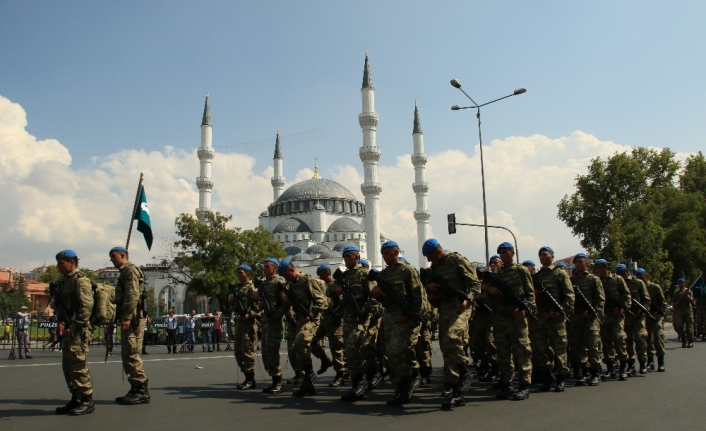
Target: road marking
{"x":120,"y":362}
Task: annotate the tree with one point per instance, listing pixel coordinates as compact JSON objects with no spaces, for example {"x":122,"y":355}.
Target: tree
{"x":207,"y":253}
{"x":13,"y":296}
{"x":50,"y":274}
{"x":693,"y":179}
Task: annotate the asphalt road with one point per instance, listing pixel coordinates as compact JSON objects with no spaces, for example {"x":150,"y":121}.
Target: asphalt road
{"x":184,"y":397}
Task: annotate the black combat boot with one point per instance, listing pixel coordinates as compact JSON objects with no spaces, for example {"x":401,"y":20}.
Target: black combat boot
{"x":547,"y":380}
{"x":465,"y":378}
{"x":357,"y":391}
{"x":690,"y":344}
{"x":325,"y":365}
{"x":631,"y":368}
{"x":507,"y":390}
{"x":140,"y":396}
{"x":297,"y":380}
{"x":610,"y":371}
{"x":249,"y":382}
{"x":425,"y":374}
{"x":578,"y":376}
{"x":85,"y":406}
{"x":522,"y":393}
{"x":683,"y":343}
{"x":374,"y":378}
{"x":456,"y":398}
{"x":560,"y":383}
{"x":660,"y":364}
{"x":338,"y":380}
{"x":69,"y":406}
{"x":405,"y":389}
{"x":623,"y":374}
{"x":307,"y":387}
{"x":595,"y":378}
{"x":132,"y":390}
{"x":650,"y":363}
{"x":448,"y":391}
{"x":643,"y":369}
{"x":277,"y":386}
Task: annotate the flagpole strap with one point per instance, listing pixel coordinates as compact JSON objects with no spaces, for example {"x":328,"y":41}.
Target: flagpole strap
{"x":134,"y":207}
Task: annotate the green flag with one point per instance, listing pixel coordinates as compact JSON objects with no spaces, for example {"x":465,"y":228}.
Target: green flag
{"x":142,"y":215}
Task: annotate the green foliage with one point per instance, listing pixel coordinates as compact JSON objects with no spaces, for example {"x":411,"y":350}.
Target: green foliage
{"x":693,"y":179}
{"x":51,"y":274}
{"x":13,"y":296}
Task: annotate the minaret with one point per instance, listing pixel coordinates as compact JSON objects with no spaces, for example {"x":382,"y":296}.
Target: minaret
{"x":205,"y":153}
{"x":278,"y":180}
{"x":369,"y":155}
{"x":420,"y":186}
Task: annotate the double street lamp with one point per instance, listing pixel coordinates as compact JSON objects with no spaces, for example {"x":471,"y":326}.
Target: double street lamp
{"x":457,"y":84}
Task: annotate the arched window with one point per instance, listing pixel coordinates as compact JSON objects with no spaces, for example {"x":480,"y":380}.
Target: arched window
{"x":286,"y":238}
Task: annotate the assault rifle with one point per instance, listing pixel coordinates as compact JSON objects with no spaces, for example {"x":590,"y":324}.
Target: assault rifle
{"x":374,"y":275}
{"x":427,"y":277}
{"x":348,"y":297}
{"x":240,"y":307}
{"x":294,"y":300}
{"x":654,"y":305}
{"x":643,"y":308}
{"x":264,"y":302}
{"x":542,"y":288}
{"x":59,"y":304}
{"x":619,"y":304}
{"x":587,"y":303}
{"x":508,"y":293}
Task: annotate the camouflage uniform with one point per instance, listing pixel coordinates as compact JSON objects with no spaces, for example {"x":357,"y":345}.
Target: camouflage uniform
{"x":271,"y":332}
{"x":482,"y":340}
{"x":635,"y":325}
{"x":699,"y":311}
{"x":549,"y":337}
{"x":332,"y":328}
{"x":511,"y":335}
{"x":683,"y":314}
{"x":129,"y":289}
{"x":613,"y":329}
{"x":458,"y":272}
{"x":76,"y":293}
{"x":584,"y":338}
{"x":655,"y":328}
{"x":311,"y":295}
{"x":245,"y":337}
{"x":290,"y":328}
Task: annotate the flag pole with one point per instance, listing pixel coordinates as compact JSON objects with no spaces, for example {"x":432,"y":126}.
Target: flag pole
{"x":134,"y":207}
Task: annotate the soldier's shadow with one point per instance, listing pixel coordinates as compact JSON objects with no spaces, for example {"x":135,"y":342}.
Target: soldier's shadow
{"x":50,"y":403}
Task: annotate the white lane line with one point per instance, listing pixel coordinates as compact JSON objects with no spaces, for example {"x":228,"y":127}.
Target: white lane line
{"x":120,"y":362}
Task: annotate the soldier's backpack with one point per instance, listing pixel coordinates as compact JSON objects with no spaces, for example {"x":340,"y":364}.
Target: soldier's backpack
{"x":103,"y":306}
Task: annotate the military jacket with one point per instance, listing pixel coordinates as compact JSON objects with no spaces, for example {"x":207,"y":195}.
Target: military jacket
{"x":638,"y":291}
{"x":592,"y":288}
{"x":656,"y":297}
{"x":271,"y":289}
{"x":558,"y":284}
{"x":361,"y":288}
{"x":76,"y":293}
{"x":334,"y":301}
{"x":457,"y":271}
{"x":684,"y":303}
{"x":614,"y":286}
{"x":309,"y":294}
{"x":130,"y":286}
{"x":404,"y":280}
{"x":251,"y":308}
{"x":517,"y":278}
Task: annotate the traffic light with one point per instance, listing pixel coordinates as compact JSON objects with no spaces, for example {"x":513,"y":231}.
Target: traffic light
{"x":451,"y":218}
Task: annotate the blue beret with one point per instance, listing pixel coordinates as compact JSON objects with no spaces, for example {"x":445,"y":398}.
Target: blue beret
{"x":272,"y":260}
{"x":245,"y":268}
{"x":580,"y":256}
{"x":350,"y":248}
{"x":681,"y":280}
{"x":547,"y":248}
{"x":528,"y":262}
{"x":495,"y":256}
{"x":118,"y":248}
{"x":388,"y":244}
{"x":63,"y":254}
{"x":505,"y":246}
{"x":323,"y":267}
{"x":402,"y":258}
{"x":429,"y":245}
{"x":562,"y":265}
{"x":480,"y":267}
{"x":282,"y":266}
{"x":600,"y":262}
{"x":640,"y":271}
{"x":364,"y":263}
{"x":620,"y":268}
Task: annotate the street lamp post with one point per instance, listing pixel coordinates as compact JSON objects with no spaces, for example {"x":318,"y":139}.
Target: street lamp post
{"x":457,"y":84}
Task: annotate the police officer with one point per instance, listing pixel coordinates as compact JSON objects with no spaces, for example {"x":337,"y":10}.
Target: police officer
{"x":655,"y":328}
{"x":76,"y":294}
{"x":129,"y":312}
{"x":332,"y":328}
{"x":613,"y":335}
{"x":635,"y":323}
{"x":248,"y":312}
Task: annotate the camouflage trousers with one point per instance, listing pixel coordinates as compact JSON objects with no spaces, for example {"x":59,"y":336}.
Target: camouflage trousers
{"x":291,"y":330}
{"x":636,"y":341}
{"x":74,"y":363}
{"x":271,"y":334}
{"x":400,"y":342}
{"x":453,"y":333}
{"x":684,"y":323}
{"x":655,"y":337}
{"x":512,"y":341}
{"x":131,"y":346}
{"x":700,"y":321}
{"x":245,"y":345}
{"x":614,"y":339}
{"x":423,"y":348}
{"x":549,"y":344}
{"x":302,"y":342}
{"x":360,"y":347}
{"x":331,"y":328}
{"x":482,"y":340}
{"x":584,"y":342}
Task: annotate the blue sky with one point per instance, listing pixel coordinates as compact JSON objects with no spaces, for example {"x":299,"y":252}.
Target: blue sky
{"x":101,"y":77}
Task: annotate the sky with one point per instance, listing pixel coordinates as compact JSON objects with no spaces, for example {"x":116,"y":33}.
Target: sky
{"x":93,"y":93}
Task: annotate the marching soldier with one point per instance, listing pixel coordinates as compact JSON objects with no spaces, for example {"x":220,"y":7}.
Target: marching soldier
{"x":549,"y":338}
{"x":682,"y":301}
{"x":635,"y":323}
{"x":76,"y":294}
{"x":130,"y":312}
{"x":332,"y":328}
{"x":613,"y":329}
{"x":655,"y":328}
{"x":248,"y":312}
{"x":454,"y":313}
{"x":510,"y":326}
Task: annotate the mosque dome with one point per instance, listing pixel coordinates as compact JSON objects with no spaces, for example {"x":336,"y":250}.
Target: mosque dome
{"x":345,"y":224}
{"x":341,"y":245}
{"x":291,"y":225}
{"x":330,"y":254}
{"x":300,"y":257}
{"x":316,"y":188}
{"x":292,"y":250}
{"x":317,"y":248}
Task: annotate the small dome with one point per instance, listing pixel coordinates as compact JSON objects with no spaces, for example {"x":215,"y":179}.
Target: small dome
{"x":317,"y":248}
{"x":291,"y":225}
{"x":345,"y":224}
{"x":292,"y":250}
{"x":265,"y":214}
{"x":316,"y":188}
{"x":318,"y":206}
{"x":341,"y":245}
{"x":301,"y":256}
{"x":330,"y":254}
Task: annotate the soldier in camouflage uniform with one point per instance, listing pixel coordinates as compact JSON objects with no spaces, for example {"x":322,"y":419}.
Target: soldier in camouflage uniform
{"x":401,"y":319}
{"x":268,"y":292}
{"x":683,"y":316}
{"x":635,"y":325}
{"x":584,"y":336}
{"x":655,"y":328}
{"x":290,"y":328}
{"x":245,"y":338}
{"x":453,"y":271}
{"x":308,"y":299}
{"x":76,"y":294}
{"x":510,"y":326}
{"x":128,"y":294}
{"x":699,"y":311}
{"x":482,"y":337}
{"x":332,"y":328}
{"x":613,"y":335}
{"x":549,"y":337}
